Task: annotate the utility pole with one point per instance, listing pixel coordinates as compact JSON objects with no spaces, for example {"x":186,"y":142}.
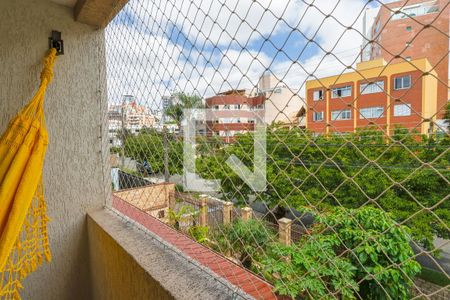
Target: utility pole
{"x":123,"y":132}
{"x":166,"y":155}
{"x":123,"y":128}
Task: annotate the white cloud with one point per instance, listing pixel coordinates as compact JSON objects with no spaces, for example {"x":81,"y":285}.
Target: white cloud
{"x":148,"y":58}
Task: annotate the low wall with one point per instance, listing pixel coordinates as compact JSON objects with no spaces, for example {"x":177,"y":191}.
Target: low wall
{"x":126,"y":263}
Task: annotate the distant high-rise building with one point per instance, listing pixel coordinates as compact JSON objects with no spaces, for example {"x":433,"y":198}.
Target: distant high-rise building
{"x":413,"y":29}
{"x":128,"y":115}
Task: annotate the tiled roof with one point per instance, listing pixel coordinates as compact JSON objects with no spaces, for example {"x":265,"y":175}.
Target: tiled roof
{"x":236,"y":275}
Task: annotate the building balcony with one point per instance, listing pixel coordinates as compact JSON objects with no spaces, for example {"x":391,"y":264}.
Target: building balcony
{"x":120,"y":244}
{"x":99,"y":252}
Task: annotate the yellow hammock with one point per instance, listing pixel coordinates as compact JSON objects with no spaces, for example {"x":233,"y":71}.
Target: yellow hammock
{"x":23,"y":219}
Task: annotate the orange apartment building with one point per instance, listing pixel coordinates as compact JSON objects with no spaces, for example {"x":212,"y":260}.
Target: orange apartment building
{"x":419,"y":29}
{"x":376,"y":94}
{"x":406,"y":39}
{"x":233,"y":113}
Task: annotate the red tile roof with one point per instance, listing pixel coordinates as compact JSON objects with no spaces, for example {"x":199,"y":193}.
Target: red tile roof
{"x":236,"y":275}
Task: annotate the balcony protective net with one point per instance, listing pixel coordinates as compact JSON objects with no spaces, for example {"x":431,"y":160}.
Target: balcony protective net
{"x":346,"y":100}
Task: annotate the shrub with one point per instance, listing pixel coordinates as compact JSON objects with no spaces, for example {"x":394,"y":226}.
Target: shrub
{"x":379,"y":249}
{"x":243,"y":239}
{"x":199,"y":234}
{"x":309,"y":269}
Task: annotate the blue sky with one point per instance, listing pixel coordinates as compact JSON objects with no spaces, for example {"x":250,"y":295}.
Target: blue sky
{"x":156,"y":47}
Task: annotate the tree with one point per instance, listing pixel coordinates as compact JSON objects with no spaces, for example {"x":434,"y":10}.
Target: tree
{"x":447,"y":116}
{"x":348,"y":251}
{"x":185,"y":101}
{"x":379,"y":248}
{"x":401,"y":174}
{"x":148,"y":147}
{"x":309,"y":269}
{"x":243,"y":239}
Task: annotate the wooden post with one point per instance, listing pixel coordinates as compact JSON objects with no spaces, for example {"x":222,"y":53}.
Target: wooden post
{"x":227,"y":209}
{"x":284,"y":231}
{"x":203,"y":212}
{"x":246,"y":213}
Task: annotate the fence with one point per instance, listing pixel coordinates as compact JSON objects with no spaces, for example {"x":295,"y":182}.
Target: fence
{"x":215,"y":210}
{"x":353,"y":96}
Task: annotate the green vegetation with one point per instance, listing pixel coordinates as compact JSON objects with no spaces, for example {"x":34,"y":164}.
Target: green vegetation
{"x":348,"y":252}
{"x":149,"y":146}
{"x":243,"y":240}
{"x":310,"y":270}
{"x":401,"y":175}
{"x":199,"y":234}
{"x":359,"y":186}
{"x":175,"y":111}
{"x":380,"y":250}
{"x":447,"y":115}
{"x":186,"y":213}
{"x":114,"y":150}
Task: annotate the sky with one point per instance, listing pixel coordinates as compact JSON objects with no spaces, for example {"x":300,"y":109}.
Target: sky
{"x":158,"y":47}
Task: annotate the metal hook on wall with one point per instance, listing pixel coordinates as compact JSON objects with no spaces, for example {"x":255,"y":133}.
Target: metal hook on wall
{"x":56,"y":42}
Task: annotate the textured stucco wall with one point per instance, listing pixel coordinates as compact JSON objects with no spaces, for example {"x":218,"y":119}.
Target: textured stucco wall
{"x":75,"y":108}
{"x":127,"y":263}
{"x":116,"y":275}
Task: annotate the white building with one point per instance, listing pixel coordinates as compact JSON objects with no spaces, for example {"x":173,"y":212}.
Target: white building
{"x":134,"y":117}
{"x":283,"y":104}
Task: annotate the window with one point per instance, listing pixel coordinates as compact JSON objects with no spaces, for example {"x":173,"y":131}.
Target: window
{"x":277,"y":90}
{"x":402,"y":110}
{"x":341,"y":115}
{"x":371,"y":88}
{"x":226,"y":106}
{"x":251,"y":121}
{"x":415,"y":10}
{"x":216,"y":107}
{"x":318,"y":95}
{"x":377,"y":26}
{"x":371,"y":112}
{"x":403,"y":82}
{"x":408,"y":58}
{"x":408,"y":28}
{"x":318,"y":116}
{"x":339,"y":92}
{"x":237,"y":106}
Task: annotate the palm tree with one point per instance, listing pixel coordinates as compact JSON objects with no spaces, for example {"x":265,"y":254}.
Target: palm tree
{"x":185,"y":101}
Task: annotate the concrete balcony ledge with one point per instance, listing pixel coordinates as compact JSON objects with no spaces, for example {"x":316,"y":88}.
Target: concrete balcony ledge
{"x":127,"y":263}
